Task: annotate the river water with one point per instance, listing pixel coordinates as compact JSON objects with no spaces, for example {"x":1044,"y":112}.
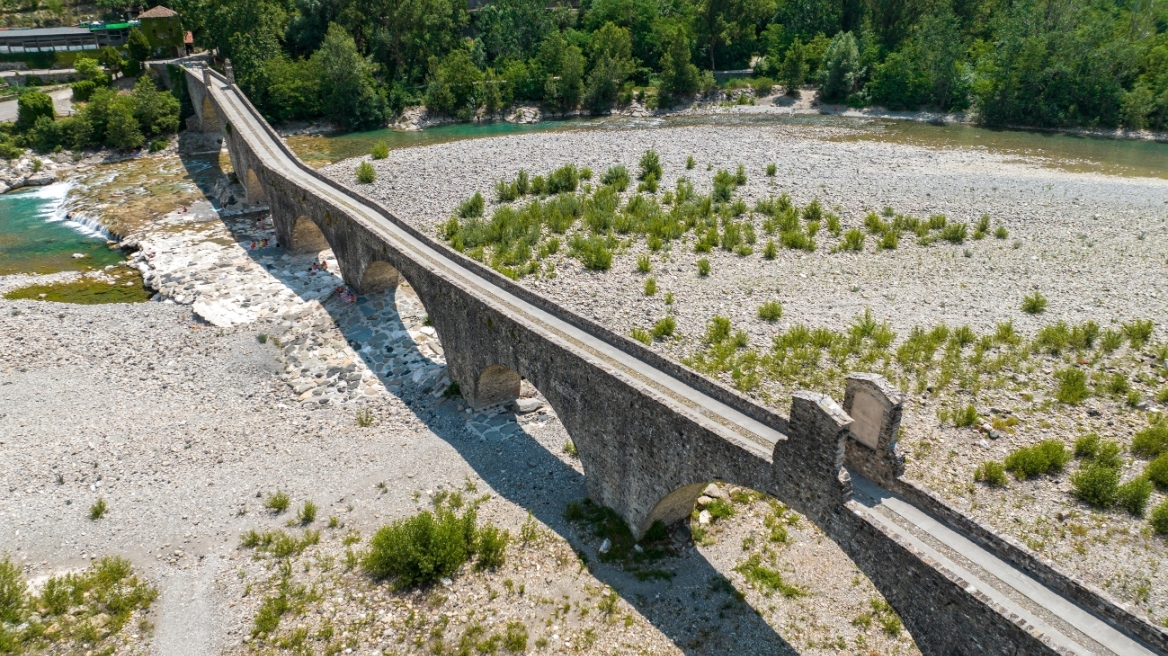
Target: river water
{"x":35,"y":236}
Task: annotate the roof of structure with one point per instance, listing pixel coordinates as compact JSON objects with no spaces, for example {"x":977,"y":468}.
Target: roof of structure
{"x":17,"y":33}
{"x":158,"y":12}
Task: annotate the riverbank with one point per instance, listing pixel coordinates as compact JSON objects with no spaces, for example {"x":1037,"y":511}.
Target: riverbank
{"x":742,"y":101}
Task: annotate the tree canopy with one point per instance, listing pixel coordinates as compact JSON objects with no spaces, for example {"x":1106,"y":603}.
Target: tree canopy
{"x":1015,"y":62}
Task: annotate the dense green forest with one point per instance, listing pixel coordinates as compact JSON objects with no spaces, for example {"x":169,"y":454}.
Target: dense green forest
{"x":1047,"y":63}
{"x":1044,"y":63}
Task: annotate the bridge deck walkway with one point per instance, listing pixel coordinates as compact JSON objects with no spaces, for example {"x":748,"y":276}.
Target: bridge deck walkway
{"x":1069,"y":626}
{"x":728,"y":422}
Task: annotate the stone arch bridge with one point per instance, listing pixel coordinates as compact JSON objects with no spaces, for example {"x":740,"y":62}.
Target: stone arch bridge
{"x":651,"y":434}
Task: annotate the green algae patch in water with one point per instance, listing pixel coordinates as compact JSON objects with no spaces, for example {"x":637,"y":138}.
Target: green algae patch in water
{"x":86,"y":291}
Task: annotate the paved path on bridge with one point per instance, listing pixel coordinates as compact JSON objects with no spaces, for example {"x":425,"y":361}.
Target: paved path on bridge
{"x":1069,"y":626}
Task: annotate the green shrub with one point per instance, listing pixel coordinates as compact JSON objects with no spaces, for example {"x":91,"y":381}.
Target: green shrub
{"x":1096,"y":485}
{"x":1087,"y":446}
{"x":889,"y":241}
{"x":83,"y":90}
{"x":31,"y":106}
{"x":1138,"y":332}
{"x":12,"y":591}
{"x":965,"y":417}
{"x":642,"y":336}
{"x":1034,"y":303}
{"x":990,"y":473}
{"x":1133,"y":495}
{"x":954,"y":233}
{"x":277,"y":502}
{"x":491,"y":545}
{"x":937,"y":222}
{"x":740,"y":175}
{"x":1160,"y":518}
{"x":703,"y":267}
{"x":592,"y":251}
{"x":616,"y":177}
{"x":366,"y":173}
{"x":771,"y":170}
{"x":664,"y":328}
{"x":1152,"y":441}
{"x":1045,"y":457}
{"x":1072,"y":386}
{"x":380,"y":150}
{"x":421,"y":549}
{"x":564,"y":179}
{"x":797,"y":240}
{"x":770,"y":311}
{"x":982,"y":228}
{"x":473,"y":207}
{"x":1157,"y":470}
{"x":1001,"y":232}
{"x":643,"y":264}
{"x":689,"y":162}
{"x":650,"y":286}
{"x":650,"y":166}
{"x":853,"y":241}
{"x":307,"y":514}
{"x":98,"y":509}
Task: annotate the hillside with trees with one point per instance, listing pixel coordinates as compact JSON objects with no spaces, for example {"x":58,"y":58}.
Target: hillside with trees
{"x":1045,"y":63}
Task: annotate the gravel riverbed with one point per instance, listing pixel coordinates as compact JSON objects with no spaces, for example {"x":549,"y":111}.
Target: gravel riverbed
{"x":250,"y":372}
{"x":1095,"y":246}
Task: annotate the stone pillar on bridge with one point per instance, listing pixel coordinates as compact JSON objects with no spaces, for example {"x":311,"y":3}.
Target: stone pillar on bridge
{"x":875,"y":406}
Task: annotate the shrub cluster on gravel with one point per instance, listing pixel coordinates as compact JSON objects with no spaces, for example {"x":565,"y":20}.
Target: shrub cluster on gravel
{"x":419,"y":550}
{"x":532,"y":215}
{"x":74,"y":612}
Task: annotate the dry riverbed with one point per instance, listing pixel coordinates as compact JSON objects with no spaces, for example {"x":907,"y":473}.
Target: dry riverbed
{"x":253,"y":374}
{"x":1093,"y":246}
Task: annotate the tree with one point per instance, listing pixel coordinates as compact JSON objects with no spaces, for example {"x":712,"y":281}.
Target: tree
{"x":110,"y":59}
{"x":639,"y":17}
{"x":137,"y":46}
{"x":454,"y":86}
{"x":405,"y":34}
{"x":679,"y":77}
{"x":610,"y":49}
{"x":511,"y":29}
{"x":347,"y":91}
{"x":561,"y":66}
{"x":841,"y":68}
{"x":794,"y":71}
{"x":30,"y":107}
{"x":293,"y":89}
{"x":122,"y":130}
{"x":720,"y":24}
{"x":156,"y":111}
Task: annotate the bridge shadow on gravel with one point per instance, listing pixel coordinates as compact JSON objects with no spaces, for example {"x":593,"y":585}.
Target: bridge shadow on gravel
{"x":697,"y":608}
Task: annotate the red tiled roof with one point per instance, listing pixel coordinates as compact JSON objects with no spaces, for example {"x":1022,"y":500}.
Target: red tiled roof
{"x":158,"y":12}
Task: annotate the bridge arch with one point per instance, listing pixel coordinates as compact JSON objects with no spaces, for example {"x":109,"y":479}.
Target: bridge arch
{"x":495,"y":384}
{"x":210,"y":118}
{"x":251,"y":182}
{"x":378,"y":276}
{"x":307,"y":237}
